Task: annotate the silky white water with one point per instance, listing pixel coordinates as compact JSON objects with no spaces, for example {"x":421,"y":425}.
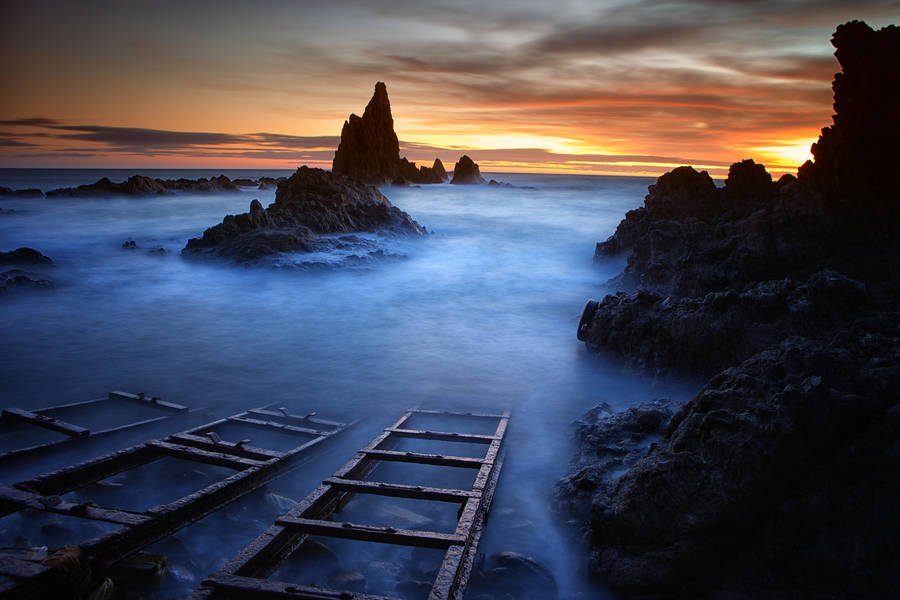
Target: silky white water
{"x":480,"y":315}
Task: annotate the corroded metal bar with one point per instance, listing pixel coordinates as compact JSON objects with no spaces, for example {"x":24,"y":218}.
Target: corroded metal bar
{"x":426,"y":459}
{"x":206,"y":456}
{"x":447,"y":436}
{"x":400,"y":491}
{"x":152,"y":401}
{"x":371,"y":533}
{"x":235,"y":448}
{"x":15,"y":499}
{"x":47,"y":422}
{"x":252,"y":589}
{"x":273,"y":425}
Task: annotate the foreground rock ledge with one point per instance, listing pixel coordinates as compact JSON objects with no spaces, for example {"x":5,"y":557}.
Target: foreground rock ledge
{"x":308,"y":205}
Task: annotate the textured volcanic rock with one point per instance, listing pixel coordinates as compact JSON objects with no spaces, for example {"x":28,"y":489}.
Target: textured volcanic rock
{"x":308,"y":204}
{"x":25,"y":193}
{"x":24,"y":256}
{"x":466,"y":172}
{"x":779,"y":479}
{"x":140,"y":185}
{"x":370,"y":151}
{"x":438,"y":169}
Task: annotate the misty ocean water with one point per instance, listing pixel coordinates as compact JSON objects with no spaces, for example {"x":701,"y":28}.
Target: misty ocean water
{"x":480,"y":315}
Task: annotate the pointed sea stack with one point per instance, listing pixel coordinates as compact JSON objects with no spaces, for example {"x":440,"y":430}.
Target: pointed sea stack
{"x":370,"y":152}
{"x":439,"y":170}
{"x":466,"y":172}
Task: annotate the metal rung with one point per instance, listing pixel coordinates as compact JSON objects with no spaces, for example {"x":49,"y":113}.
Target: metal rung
{"x":278,"y":426}
{"x":47,"y":422}
{"x":448,"y":413}
{"x":237,"y":449}
{"x":152,"y":401}
{"x":426,"y":459}
{"x":206,"y":456}
{"x":369,"y":533}
{"x":446,"y":436}
{"x":57,"y":505}
{"x":381,"y":488}
{"x":253,"y":589}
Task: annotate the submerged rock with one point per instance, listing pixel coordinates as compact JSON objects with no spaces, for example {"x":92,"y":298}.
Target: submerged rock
{"x":140,"y":185}
{"x":24,"y":193}
{"x":466,"y":172}
{"x":511,"y":574}
{"x":309,"y":204}
{"x":370,"y":151}
{"x":24,"y":256}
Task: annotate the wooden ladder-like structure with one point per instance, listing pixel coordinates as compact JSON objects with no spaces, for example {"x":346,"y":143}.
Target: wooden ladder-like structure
{"x":255,"y":467}
{"x":245,"y":576}
{"x":46,"y":418}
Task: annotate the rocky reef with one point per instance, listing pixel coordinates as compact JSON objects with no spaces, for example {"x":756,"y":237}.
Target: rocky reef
{"x":370,"y":151}
{"x":18,"y":278}
{"x":466,"y":172}
{"x":311,"y":207}
{"x":778,"y":479}
{"x":141,"y":185}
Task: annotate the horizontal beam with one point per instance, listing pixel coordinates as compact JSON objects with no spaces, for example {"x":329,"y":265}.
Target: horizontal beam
{"x":263,"y":589}
{"x":206,"y":456}
{"x":446,"y":436}
{"x":448,"y":413}
{"x":149,"y":401}
{"x":370,"y":533}
{"x":235,"y":448}
{"x":396,"y":490}
{"x":55,"y":504}
{"x":275,"y":414}
{"x":278,"y":426}
{"x":47,"y":422}
{"x":425,"y":459}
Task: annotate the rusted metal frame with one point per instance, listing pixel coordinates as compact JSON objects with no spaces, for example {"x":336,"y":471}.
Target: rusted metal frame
{"x":446,"y":436}
{"x":265,"y":554}
{"x":448,"y":413}
{"x":490,"y":456}
{"x":46,"y":421}
{"x":397,"y":490}
{"x":14,"y":499}
{"x":77,"y":476}
{"x":372,"y":533}
{"x":206,"y":456}
{"x":275,"y":415}
{"x":169,"y":518}
{"x":235,"y":448}
{"x":256,"y":589}
{"x":426,"y":459}
{"x":274,"y":426}
{"x":148,"y":401}
{"x":453,"y":574}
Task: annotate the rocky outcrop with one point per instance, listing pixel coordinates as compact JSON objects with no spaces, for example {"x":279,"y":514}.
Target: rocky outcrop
{"x":438,"y":169}
{"x":370,"y":151}
{"x":24,"y":256}
{"x":309,"y":205}
{"x":24,"y":193}
{"x":466,"y":172}
{"x":778,"y":478}
{"x":140,"y":185}
{"x":17,"y":279}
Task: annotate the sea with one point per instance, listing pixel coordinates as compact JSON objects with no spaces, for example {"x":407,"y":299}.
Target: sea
{"x":479,"y":315}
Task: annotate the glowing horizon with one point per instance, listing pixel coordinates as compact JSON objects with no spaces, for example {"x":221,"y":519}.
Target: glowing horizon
{"x":594,"y":87}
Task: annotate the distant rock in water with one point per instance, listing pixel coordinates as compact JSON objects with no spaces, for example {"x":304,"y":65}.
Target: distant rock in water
{"x":140,"y":185}
{"x":466,"y":172}
{"x":438,"y":169}
{"x":24,"y":256}
{"x":370,"y":151}
{"x":18,"y":279}
{"x":26,"y":193}
{"x":308,"y":205}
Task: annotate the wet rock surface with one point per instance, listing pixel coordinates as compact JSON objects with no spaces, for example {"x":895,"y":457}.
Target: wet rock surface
{"x":370,"y":151}
{"x":140,"y":185}
{"x":309,"y":205}
{"x":466,"y":172}
{"x":778,"y":479}
{"x":18,"y":278}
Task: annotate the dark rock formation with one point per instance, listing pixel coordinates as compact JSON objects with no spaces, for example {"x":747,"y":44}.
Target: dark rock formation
{"x":779,"y":479}
{"x":244,"y":182}
{"x":438,"y":169}
{"x":24,"y":256}
{"x":513,"y":575}
{"x":466,"y":172}
{"x":310,"y":203}
{"x":13,"y":279}
{"x":25,"y":193}
{"x":140,"y":185}
{"x":370,"y":151}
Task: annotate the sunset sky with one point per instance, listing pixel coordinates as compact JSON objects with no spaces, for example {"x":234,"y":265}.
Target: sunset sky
{"x":596,"y":86}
